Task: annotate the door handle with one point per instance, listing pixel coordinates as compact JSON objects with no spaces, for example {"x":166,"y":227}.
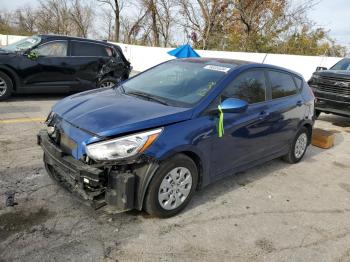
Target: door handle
{"x":299,"y":103}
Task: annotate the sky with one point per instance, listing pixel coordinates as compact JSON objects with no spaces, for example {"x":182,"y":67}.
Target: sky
{"x":330,"y":14}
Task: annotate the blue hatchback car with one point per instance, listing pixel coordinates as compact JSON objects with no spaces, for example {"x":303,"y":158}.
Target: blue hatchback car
{"x":153,"y":140}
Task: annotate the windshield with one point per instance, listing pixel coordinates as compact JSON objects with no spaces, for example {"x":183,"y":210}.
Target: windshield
{"x":23,"y":44}
{"x":178,"y":82}
{"x":343,"y":64}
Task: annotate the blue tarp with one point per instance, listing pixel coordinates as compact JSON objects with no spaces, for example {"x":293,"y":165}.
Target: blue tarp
{"x":183,"y":52}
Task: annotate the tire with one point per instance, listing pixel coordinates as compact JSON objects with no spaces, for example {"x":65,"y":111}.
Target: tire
{"x":173,"y":197}
{"x":301,"y":140}
{"x":6,"y":86}
{"x":108,"y":82}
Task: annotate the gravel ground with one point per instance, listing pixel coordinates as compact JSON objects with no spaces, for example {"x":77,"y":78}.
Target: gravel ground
{"x":274,"y":212}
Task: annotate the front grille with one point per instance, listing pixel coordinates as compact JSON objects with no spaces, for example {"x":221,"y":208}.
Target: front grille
{"x":334,"y":85}
{"x":334,"y":89}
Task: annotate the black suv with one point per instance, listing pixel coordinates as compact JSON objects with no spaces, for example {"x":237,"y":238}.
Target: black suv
{"x":332,"y":89}
{"x":55,"y":64}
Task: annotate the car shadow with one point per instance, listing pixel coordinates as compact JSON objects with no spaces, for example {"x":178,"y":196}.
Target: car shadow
{"x":242,"y":179}
{"x":36,"y":97}
{"x":339,"y":121}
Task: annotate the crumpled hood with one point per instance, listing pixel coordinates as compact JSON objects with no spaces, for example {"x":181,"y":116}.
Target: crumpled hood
{"x":109,"y":112}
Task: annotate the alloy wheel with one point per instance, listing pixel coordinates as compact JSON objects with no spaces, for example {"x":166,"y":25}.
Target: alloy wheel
{"x":3,"y":86}
{"x":300,"y":145}
{"x":175,"y":188}
{"x":107,"y":84}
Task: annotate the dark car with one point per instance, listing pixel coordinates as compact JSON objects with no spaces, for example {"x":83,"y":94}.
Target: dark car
{"x":150,"y":142}
{"x":332,"y":89}
{"x":56,"y":64}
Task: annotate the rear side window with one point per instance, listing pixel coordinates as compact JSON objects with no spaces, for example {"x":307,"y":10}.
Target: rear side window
{"x":90,"y":49}
{"x":299,"y":82}
{"x":282,"y":84}
{"x":249,"y":86}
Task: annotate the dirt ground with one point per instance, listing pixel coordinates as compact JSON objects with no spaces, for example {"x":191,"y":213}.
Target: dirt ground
{"x":274,"y":212}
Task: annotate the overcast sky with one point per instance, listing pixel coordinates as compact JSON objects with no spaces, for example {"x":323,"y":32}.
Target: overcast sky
{"x":330,"y":14}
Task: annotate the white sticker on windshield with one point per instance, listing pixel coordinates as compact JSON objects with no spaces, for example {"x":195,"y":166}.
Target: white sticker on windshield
{"x":217,"y":68}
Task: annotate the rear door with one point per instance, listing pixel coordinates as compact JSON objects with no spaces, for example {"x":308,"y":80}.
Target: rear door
{"x":89,"y":62}
{"x":286,"y":108}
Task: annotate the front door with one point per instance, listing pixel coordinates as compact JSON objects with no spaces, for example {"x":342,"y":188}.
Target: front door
{"x":247,"y":136}
{"x":50,"y":71}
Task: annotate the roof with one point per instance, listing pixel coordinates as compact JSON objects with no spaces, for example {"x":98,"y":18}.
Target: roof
{"x":236,"y":63}
{"x":218,"y":60}
{"x":73,"y":38}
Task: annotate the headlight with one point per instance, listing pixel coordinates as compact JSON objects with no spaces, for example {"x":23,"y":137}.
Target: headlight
{"x":316,"y":76}
{"x":122,"y":147}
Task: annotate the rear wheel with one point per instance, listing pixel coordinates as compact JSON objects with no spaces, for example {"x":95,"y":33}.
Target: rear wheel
{"x":6,"y":86}
{"x":298,"y":147}
{"x":108,"y":82}
{"x":172,"y":187}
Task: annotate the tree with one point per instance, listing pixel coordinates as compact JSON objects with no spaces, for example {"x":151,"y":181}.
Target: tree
{"x":116,"y":6}
{"x":81,"y":16}
{"x":54,"y":17}
{"x":25,"y":21}
{"x":165,"y":14}
{"x":204,"y":18}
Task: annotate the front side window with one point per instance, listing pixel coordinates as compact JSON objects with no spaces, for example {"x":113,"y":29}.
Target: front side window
{"x":249,"y":86}
{"x":55,"y":49}
{"x":282,"y":84}
{"x":90,"y":49}
{"x":179,"y":83}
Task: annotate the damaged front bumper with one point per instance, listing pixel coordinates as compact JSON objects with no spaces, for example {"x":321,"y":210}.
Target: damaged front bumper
{"x":121,"y":187}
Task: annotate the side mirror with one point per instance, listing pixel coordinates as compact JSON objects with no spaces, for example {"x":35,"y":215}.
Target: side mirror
{"x":234,"y":105}
{"x":321,"y":68}
{"x":32,"y":55}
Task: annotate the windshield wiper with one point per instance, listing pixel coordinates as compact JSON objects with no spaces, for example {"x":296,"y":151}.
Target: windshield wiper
{"x":148,"y":97}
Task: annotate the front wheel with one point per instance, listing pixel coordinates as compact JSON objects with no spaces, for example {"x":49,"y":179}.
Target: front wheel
{"x":6,"y":86}
{"x":298,"y":147}
{"x":172,"y":187}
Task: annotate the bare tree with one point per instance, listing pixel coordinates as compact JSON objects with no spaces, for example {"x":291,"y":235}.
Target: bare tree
{"x":133,"y":27}
{"x":166,"y":13}
{"x":25,"y":20}
{"x":203,"y":17}
{"x":108,"y":23}
{"x":54,"y":17}
{"x":81,"y":16}
{"x":116,"y":6}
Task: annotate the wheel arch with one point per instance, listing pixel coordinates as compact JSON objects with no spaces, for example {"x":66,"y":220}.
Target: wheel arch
{"x":190,"y":154}
{"x":12,"y":75}
{"x":308,"y":126}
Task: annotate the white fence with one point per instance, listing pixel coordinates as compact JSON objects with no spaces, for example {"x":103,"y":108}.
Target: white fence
{"x":144,"y":57}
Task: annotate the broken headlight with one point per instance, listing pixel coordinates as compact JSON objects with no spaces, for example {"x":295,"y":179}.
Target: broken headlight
{"x":122,"y":147}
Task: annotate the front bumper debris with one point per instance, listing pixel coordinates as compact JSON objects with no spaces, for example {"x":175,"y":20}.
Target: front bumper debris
{"x":96,"y":186}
